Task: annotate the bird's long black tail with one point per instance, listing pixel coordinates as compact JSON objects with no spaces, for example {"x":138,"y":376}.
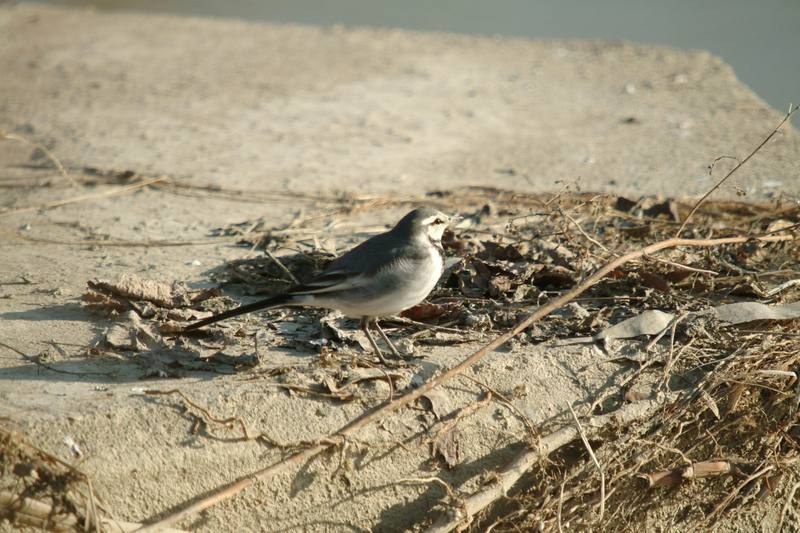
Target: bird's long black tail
{"x":273,"y":301}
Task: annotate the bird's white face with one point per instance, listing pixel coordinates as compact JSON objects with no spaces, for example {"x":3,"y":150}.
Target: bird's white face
{"x":435,"y":226}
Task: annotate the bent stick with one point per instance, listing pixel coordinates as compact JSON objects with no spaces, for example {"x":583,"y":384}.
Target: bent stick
{"x":510,"y":474}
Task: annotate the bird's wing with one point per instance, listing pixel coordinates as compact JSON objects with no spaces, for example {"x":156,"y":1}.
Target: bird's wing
{"x":369,"y":256}
{"x":329,"y":281}
{"x":355,"y":267}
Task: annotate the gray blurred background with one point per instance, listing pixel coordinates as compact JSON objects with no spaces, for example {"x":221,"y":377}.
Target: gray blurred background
{"x":760,"y":39}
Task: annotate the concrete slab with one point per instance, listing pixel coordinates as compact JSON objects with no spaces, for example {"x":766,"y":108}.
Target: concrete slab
{"x":303,"y":108}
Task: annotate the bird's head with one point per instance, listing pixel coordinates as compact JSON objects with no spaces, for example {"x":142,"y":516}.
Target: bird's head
{"x":425,"y":222}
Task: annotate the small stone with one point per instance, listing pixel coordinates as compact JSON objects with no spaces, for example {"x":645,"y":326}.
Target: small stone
{"x":405,"y":347}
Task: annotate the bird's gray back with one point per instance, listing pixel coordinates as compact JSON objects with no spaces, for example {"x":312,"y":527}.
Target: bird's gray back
{"x":376,"y":253}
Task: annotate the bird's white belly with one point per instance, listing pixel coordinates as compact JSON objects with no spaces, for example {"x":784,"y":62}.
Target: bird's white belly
{"x":389,"y":304}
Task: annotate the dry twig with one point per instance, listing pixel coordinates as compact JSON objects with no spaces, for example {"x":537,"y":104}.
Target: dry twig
{"x":37,"y":361}
{"x":92,"y":511}
{"x":53,"y":159}
{"x":281,"y":266}
{"x":788,"y":505}
{"x":227,"y":422}
{"x":721,"y":506}
{"x":702,"y":469}
{"x":463,"y":413}
{"x":510,"y":474}
{"x":438,"y":481}
{"x":596,"y":463}
{"x":561,"y":503}
{"x":582,"y":232}
{"x":40,"y":515}
{"x":84,"y":197}
{"x":150,"y":243}
{"x":734,"y":169}
{"x":526,"y":421}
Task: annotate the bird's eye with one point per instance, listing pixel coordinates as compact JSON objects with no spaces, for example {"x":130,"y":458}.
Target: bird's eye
{"x":438,"y":221}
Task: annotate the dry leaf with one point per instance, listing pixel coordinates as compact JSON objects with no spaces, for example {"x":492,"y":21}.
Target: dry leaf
{"x":120,"y":337}
{"x":170,"y":327}
{"x":560,"y":254}
{"x":447,"y":446}
{"x":674,"y":276}
{"x":499,"y":285}
{"x":99,"y":300}
{"x":187,"y":314}
{"x":554,"y":277}
{"x":508,"y":252}
{"x":439,"y":402}
{"x":710,"y":403}
{"x":742,"y":312}
{"x":654,"y":281}
{"x":347,"y":389}
{"x":649,"y":322}
{"x":132,"y":287}
{"x":427,"y":312}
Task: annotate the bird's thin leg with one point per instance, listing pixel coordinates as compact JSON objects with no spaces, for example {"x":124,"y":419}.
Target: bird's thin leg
{"x":385,"y":338}
{"x":365,"y":327}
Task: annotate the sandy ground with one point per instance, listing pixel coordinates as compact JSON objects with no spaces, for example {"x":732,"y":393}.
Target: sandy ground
{"x":304,"y":111}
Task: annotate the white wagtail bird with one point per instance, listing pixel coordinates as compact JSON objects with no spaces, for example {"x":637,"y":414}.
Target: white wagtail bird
{"x":382,"y":276}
